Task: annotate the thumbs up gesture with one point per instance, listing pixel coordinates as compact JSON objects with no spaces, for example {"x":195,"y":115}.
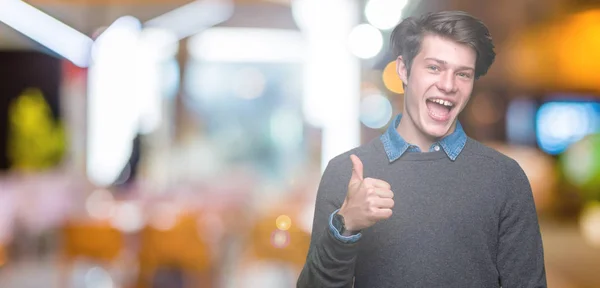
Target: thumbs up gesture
{"x":368,"y":200}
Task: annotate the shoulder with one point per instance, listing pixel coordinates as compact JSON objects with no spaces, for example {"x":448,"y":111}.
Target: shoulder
{"x":480,"y":150}
{"x":509,"y":168}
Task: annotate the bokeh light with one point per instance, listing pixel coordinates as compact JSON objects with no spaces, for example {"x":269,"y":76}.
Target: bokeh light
{"x":384,"y":14}
{"x":375,"y":111}
{"x":581,"y":163}
{"x":365,"y":41}
{"x":280,"y":239}
{"x":128,"y":217}
{"x":283,"y":222}
{"x":391,"y":79}
{"x":97,"y":277}
{"x":590,"y":223}
{"x":100,"y":204}
{"x":164,"y":216}
{"x":560,"y":124}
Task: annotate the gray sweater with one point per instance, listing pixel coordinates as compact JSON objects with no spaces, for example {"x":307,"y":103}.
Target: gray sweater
{"x":471,"y":222}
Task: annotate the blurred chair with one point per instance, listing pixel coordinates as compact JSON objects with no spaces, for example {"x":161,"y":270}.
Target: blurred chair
{"x":177,"y":251}
{"x":3,"y":256}
{"x":274,"y":253}
{"x":96,"y":241}
{"x":267,"y":242}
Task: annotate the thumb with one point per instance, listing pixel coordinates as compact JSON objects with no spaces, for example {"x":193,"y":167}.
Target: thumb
{"x":357,"y":169}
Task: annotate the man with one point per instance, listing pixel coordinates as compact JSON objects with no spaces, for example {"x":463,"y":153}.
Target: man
{"x":424,"y":205}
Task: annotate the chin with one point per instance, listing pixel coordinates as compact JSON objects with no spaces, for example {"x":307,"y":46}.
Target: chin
{"x":436,"y":129}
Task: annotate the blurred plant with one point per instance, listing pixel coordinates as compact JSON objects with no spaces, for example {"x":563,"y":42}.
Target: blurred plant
{"x":36,"y":141}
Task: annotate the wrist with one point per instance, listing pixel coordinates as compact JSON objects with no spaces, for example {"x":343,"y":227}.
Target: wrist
{"x":348,"y":225}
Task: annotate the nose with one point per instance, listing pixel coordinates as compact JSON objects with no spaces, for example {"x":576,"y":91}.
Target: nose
{"x":447,"y":83}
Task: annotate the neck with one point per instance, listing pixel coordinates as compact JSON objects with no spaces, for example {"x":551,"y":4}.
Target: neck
{"x":413,"y":135}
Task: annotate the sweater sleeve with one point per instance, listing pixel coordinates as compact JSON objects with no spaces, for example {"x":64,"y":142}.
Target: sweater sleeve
{"x":330,"y":262}
{"x":520,"y":251}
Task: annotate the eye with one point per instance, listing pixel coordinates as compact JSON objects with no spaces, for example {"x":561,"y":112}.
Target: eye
{"x":464,"y":75}
{"x":433,"y":68}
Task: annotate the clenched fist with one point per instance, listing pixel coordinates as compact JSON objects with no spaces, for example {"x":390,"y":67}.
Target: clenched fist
{"x":367,"y":201}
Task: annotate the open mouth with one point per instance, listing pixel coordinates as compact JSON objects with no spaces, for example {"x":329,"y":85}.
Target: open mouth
{"x":439,"y":109}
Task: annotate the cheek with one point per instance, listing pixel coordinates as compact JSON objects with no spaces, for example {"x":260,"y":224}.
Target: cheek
{"x":420,"y":84}
{"x":466,"y":87}
{"x":465,"y":92}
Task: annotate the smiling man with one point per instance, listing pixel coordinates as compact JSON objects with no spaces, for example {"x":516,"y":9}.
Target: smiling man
{"x":424,"y":205}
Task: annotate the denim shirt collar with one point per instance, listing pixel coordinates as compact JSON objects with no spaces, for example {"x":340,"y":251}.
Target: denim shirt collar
{"x":395,"y":146}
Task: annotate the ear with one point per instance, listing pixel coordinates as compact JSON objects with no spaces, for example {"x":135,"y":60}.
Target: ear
{"x":401,"y":70}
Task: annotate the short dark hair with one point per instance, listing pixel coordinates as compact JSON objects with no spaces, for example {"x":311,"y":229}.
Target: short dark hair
{"x":459,"y":26}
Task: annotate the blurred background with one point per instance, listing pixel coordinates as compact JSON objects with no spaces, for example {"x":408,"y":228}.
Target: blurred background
{"x":155,"y":143}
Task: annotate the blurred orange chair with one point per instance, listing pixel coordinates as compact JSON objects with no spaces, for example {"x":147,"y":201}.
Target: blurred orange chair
{"x":180,"y":247}
{"x":274,"y":250}
{"x":97,"y":241}
{"x":3,"y":256}
{"x":268,"y":242}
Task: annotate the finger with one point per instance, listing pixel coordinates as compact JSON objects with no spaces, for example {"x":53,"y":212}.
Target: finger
{"x":384,"y":213}
{"x":357,"y":169}
{"x":384,"y":203}
{"x":384,"y":193}
{"x":377,"y":183}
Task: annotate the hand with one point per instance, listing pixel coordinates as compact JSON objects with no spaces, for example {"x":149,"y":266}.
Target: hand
{"x":367,"y":201}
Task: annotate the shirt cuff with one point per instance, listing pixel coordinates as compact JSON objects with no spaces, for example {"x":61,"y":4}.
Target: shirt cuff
{"x":340,"y":237}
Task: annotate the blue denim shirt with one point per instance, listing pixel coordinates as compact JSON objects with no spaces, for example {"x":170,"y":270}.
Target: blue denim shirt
{"x":395,"y":147}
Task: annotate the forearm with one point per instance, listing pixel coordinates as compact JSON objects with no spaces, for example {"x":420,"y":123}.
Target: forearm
{"x":330,"y":263}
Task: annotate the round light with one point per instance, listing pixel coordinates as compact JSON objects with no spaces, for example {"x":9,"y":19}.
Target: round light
{"x":384,"y":14}
{"x":280,"y":239}
{"x":164,"y":217}
{"x":375,"y":111}
{"x":100,"y":204}
{"x":559,"y":124}
{"x":97,"y":277}
{"x":589,"y":223}
{"x":365,"y":41}
{"x":128,"y":217}
{"x":581,"y":165}
{"x":391,"y":79}
{"x":283,"y":222}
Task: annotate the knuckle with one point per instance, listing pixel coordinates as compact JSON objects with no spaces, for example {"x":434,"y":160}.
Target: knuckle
{"x":370,"y":203}
{"x":370,"y":191}
{"x":372,"y":210}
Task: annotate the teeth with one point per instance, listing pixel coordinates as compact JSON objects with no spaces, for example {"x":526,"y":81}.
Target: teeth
{"x":442,"y":102}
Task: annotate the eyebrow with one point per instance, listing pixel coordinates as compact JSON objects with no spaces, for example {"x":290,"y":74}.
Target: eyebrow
{"x":442,"y":62}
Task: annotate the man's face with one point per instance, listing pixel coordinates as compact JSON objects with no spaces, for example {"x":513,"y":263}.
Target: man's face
{"x":440,"y":85}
